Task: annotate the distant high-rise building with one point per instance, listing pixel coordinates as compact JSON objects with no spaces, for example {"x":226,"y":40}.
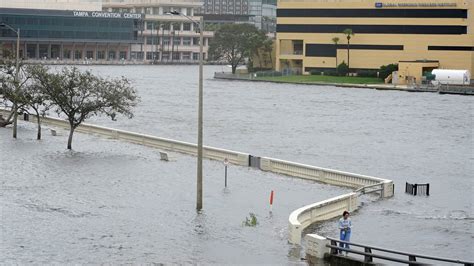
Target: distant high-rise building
{"x":237,"y":11}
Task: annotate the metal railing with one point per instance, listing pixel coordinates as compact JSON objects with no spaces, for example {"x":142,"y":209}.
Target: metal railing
{"x":369,"y":255}
{"x":417,"y":189}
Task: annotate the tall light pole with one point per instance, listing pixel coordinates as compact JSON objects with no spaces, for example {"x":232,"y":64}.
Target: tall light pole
{"x":15,"y":106}
{"x":200,"y":24}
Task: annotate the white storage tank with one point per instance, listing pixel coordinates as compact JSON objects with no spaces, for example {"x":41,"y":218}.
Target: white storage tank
{"x":452,"y":76}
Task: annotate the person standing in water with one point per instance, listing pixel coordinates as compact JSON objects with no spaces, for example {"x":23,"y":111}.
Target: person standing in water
{"x":345,"y":225}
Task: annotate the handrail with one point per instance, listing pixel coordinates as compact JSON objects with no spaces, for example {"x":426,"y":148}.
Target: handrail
{"x":402,"y":252}
{"x":368,"y":254}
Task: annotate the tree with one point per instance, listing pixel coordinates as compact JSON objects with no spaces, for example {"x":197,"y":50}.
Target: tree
{"x":349,"y":34}
{"x":26,"y":94}
{"x":11,"y":85}
{"x":34,"y":97}
{"x":235,"y":42}
{"x":268,"y":49}
{"x":335,"y":40}
{"x":387,"y":70}
{"x":342,"y":69}
{"x":81,"y":95}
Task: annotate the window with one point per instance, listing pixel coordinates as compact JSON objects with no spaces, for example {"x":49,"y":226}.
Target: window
{"x":176,"y":56}
{"x":150,"y":25}
{"x":186,"y":55}
{"x":195,"y":41}
{"x":112,"y":55}
{"x":165,"y":56}
{"x":186,"y":40}
{"x":186,"y":26}
{"x":100,"y":55}
{"x":90,"y":54}
{"x":149,"y":10}
{"x":123,"y":55}
{"x":189,"y":11}
{"x":66,"y":54}
{"x":78,"y":54}
{"x":152,"y":40}
{"x":166,"y":26}
{"x":177,"y":40}
{"x":195,"y":56}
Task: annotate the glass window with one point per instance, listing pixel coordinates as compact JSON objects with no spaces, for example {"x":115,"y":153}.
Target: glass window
{"x":176,"y":56}
{"x":89,"y":54}
{"x":186,"y":26}
{"x":100,"y":55}
{"x":177,"y":40}
{"x":166,"y":40}
{"x":195,"y":56}
{"x":67,"y":54}
{"x":186,"y":55}
{"x":78,"y":54}
{"x":195,"y":41}
{"x":165,"y":56}
{"x":186,"y":40}
{"x":123,"y":55}
{"x":112,"y":55}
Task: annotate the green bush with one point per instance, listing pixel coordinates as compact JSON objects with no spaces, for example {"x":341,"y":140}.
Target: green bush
{"x":343,"y":69}
{"x":250,"y":221}
{"x":385,"y":71}
{"x":367,"y":73}
{"x":327,"y":72}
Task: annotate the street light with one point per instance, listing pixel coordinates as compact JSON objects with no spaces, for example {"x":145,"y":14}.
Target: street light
{"x":15,"y":106}
{"x":200,"y":24}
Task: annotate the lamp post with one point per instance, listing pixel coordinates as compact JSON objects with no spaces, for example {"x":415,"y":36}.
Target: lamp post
{"x":15,"y":106}
{"x":200,"y":24}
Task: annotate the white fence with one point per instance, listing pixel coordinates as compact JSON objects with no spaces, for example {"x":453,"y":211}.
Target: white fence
{"x":234,"y":157}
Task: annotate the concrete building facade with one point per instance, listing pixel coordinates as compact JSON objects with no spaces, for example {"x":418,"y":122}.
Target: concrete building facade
{"x":439,"y":33}
{"x":70,"y":35}
{"x":166,"y":38}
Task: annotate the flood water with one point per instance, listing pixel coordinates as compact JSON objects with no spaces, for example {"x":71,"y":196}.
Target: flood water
{"x":114,"y":202}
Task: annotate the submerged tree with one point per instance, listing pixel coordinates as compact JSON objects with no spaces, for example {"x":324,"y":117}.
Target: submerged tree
{"x":25,"y":94}
{"x":234,"y":43}
{"x":11,"y":82}
{"x":81,"y":95}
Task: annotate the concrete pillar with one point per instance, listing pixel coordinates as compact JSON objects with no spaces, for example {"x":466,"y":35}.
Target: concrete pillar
{"x":61,"y":51}
{"x":388,"y":189}
{"x":84,"y":55}
{"x":129,"y":53}
{"x":73,"y":51}
{"x":107,"y":52}
{"x":96,"y":50}
{"x":49,"y":51}
{"x":37,"y":55}
{"x":25,"y":50}
{"x":316,"y":246}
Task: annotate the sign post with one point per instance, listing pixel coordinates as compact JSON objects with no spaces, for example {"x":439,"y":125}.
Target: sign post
{"x":226,"y":163}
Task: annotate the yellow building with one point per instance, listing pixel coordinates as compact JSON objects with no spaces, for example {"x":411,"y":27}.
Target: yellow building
{"x":420,"y":35}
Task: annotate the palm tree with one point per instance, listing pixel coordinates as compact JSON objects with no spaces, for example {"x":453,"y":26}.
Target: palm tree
{"x":349,"y":34}
{"x":335,"y":40}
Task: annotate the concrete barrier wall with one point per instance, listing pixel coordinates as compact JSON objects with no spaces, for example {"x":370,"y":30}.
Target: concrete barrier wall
{"x":213,"y":153}
{"x":329,"y":176}
{"x":317,"y":212}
